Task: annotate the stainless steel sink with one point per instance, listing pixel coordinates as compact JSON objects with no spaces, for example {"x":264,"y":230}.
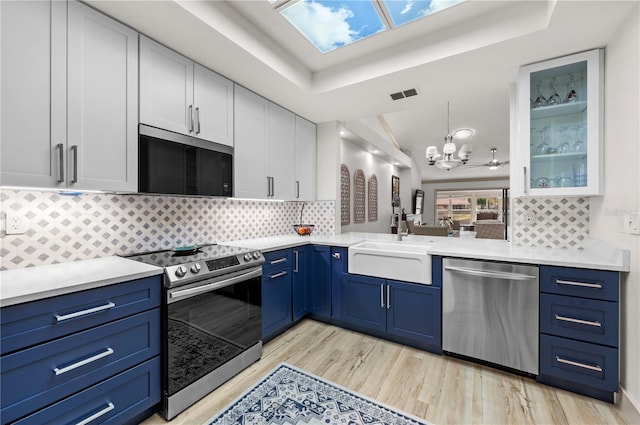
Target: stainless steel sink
{"x":391,"y":260}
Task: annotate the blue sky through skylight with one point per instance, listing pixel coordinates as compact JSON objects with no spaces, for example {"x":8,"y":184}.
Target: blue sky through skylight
{"x":404,"y":11}
{"x":330,"y":24}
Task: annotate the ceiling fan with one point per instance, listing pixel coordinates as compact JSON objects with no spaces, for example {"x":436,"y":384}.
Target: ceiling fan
{"x":494,"y":164}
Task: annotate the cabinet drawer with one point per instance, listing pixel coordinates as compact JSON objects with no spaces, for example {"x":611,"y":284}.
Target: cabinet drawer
{"x":596,"y":284}
{"x":37,"y":376}
{"x":579,"y":318}
{"x":27,"y":324}
{"x":580,"y":362}
{"x":115,"y":400}
{"x":276,"y":260}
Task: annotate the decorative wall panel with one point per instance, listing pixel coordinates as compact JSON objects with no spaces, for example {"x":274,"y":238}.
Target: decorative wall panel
{"x":345,"y":194}
{"x":65,"y":228}
{"x":359,"y":200}
{"x":373,"y":198}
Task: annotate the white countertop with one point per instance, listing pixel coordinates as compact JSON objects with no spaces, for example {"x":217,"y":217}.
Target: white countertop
{"x":595,"y":255}
{"x":33,"y":283}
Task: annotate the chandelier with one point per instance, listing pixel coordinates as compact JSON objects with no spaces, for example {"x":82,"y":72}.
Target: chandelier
{"x":447,"y":161}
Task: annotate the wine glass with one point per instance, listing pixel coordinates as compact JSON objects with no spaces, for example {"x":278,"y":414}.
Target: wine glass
{"x":571,"y":96}
{"x":564,"y":146}
{"x":543,"y":147}
{"x":578,"y":144}
{"x":554,"y":99}
{"x":540,"y":100}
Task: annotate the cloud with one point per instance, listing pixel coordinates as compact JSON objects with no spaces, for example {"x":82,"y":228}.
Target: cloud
{"x":325,"y":28}
{"x":436,"y":5}
{"x":407,"y":7}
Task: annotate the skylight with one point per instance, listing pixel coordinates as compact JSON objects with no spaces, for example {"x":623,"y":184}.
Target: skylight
{"x":331,"y":24}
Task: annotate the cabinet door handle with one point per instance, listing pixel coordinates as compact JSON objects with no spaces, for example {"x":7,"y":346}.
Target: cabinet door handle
{"x":269,"y":186}
{"x":74,"y":150}
{"x":273,"y":186}
{"x":295,"y":269}
{"x":336,"y":255}
{"x":578,"y":321}
{"x":274,"y":276}
{"x":60,"y":148}
{"x":198,"y":120}
{"x":96,"y":415}
{"x":583,"y":284}
{"x":578,"y":364}
{"x":190,"y":118}
{"x":297,"y":189}
{"x":388,"y":300}
{"x":381,"y":295}
{"x":60,"y":371}
{"x":63,"y":317}
{"x":524,"y":188}
{"x":278,"y":261}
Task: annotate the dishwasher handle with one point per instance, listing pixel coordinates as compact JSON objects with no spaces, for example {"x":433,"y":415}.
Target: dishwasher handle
{"x":485,"y":273}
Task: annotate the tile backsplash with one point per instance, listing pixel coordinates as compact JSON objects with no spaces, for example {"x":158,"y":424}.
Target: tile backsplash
{"x":65,"y":228}
{"x":560,"y":222}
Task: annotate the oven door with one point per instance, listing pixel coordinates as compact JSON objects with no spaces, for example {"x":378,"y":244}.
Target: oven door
{"x":209,"y":323}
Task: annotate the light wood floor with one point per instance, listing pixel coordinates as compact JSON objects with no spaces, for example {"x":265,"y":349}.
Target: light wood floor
{"x":440,"y":389}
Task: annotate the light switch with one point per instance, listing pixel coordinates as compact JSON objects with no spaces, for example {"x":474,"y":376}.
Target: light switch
{"x":632,"y":223}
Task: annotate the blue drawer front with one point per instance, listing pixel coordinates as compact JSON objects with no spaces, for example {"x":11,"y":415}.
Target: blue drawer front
{"x":29,"y":379}
{"x":28,"y":324}
{"x":596,"y":284}
{"x":115,"y":400}
{"x":580,"y":362}
{"x":276,"y":260}
{"x":579,"y":318}
{"x":415,"y":312}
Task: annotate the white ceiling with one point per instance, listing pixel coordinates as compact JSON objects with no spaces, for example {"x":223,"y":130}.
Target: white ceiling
{"x":468,"y":54}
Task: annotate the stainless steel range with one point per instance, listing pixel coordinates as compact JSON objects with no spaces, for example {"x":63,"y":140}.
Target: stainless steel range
{"x":211,"y":318}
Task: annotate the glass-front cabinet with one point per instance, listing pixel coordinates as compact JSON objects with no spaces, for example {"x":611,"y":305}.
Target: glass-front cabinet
{"x":559,"y":126}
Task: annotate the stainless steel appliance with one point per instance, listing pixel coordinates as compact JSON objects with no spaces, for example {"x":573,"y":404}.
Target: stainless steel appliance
{"x":212,"y":319}
{"x":490,"y":312}
{"x":172,"y":163}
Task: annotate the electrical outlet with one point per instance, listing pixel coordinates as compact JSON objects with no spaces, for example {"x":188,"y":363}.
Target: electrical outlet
{"x":632,"y":223}
{"x":15,"y":224}
{"x":530,"y":217}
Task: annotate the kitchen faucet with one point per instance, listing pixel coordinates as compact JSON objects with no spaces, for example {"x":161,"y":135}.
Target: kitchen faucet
{"x":397,"y":203}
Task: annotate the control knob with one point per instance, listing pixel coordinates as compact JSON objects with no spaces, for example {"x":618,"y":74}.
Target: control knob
{"x":256,"y":255}
{"x":247,"y":257}
{"x":195,"y":268}
{"x":181,"y":271}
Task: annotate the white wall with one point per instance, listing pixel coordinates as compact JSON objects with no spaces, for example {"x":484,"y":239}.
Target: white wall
{"x":622,"y":186}
{"x":430,"y":192}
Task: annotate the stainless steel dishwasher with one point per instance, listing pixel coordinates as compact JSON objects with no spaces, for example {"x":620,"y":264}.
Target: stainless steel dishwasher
{"x":490,"y":312}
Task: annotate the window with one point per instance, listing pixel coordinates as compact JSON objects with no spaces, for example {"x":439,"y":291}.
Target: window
{"x":331,"y":24}
{"x":469,"y":206}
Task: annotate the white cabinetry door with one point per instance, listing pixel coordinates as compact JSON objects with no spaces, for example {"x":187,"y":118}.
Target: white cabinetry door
{"x":250,"y":128}
{"x":30,"y":30}
{"x":559,"y":127}
{"x":213,"y":106}
{"x":305,"y":160}
{"x":69,"y":97}
{"x":281,"y":155}
{"x":166,"y":88}
{"x":102,"y":101}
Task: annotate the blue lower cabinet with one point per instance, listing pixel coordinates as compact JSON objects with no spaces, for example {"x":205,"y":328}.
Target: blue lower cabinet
{"x":582,"y":363}
{"x":339,"y":258}
{"x":276,"y":299}
{"x":301,"y":282}
{"x":363,"y":301}
{"x":410,"y":311}
{"x":320,"y":280}
{"x":117,"y":400}
{"x":43,"y":374}
{"x":414,"y":312}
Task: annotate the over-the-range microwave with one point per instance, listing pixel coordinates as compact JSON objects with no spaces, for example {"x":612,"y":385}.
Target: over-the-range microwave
{"x":171,"y":163}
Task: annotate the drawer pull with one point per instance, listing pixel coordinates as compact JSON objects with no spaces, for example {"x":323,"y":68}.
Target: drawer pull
{"x":107,"y":306}
{"x":273,"y":276}
{"x":582,"y":365}
{"x":96,"y":415}
{"x":583,"y":284}
{"x":107,"y":352}
{"x":578,"y":321}
{"x":278,"y":261}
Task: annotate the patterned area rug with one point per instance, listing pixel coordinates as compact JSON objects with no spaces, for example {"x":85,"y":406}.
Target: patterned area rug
{"x":291,"y":396}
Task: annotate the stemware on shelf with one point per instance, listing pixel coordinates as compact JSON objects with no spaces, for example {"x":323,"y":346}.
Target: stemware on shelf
{"x":571,"y":96}
{"x":554,"y":97}
{"x":540,"y":100}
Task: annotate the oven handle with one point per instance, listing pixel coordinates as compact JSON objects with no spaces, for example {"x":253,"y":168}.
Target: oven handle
{"x":216,"y":285}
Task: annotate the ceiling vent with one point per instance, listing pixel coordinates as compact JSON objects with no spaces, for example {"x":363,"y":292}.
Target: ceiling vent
{"x":402,"y":94}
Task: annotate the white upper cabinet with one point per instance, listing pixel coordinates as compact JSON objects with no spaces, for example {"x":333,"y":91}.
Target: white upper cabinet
{"x":559,"y":127}
{"x":69,"y":98}
{"x":181,"y":96}
{"x":305,"y":160}
{"x":265,"y":148}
